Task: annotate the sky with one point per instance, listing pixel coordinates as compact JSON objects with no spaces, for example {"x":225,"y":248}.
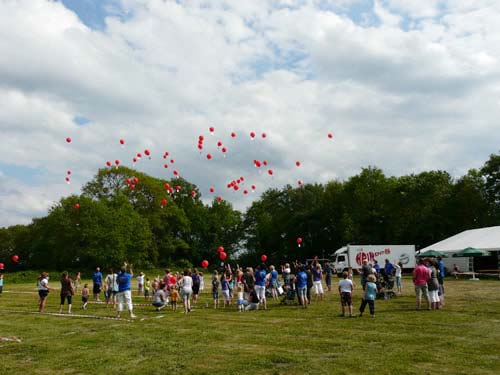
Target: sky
{"x":406,"y":86}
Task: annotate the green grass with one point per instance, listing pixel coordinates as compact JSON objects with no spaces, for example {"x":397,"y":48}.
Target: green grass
{"x":460,"y":339}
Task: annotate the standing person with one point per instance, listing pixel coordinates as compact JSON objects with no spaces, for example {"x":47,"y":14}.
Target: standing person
{"x":1,"y":282}
{"x":111,"y":281}
{"x":43,"y":290}
{"x":433,"y":285}
{"x":310,"y":283}
{"x":328,"y":276}
{"x":66,"y":291}
{"x":224,"y":284}
{"x":202,"y":281}
{"x":285,"y":274}
{"x":369,"y":296}
{"x":366,"y":270}
{"x":441,"y":275}
{"x":77,"y":281}
{"x":376,"y":266}
{"x":124,"y":290}
{"x":240,"y":300}
{"x":260,"y":284}
{"x":147,"y":288}
{"x":420,"y":277}
{"x":273,"y":276}
{"x":97,"y":280}
{"x":345,"y":291}
{"x":140,"y":284}
{"x":388,"y":268}
{"x":398,"y":267}
{"x":85,"y":296}
{"x":215,"y":289}
{"x":196,"y":285}
{"x":174,"y":295}
{"x":249,"y":282}
{"x":301,"y":282}
{"x":317,"y":274}
{"x":186,"y":282}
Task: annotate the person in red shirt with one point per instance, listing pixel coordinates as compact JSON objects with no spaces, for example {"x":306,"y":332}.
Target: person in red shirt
{"x":421,"y":275}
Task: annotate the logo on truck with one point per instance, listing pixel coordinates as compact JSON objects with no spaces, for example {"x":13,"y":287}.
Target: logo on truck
{"x":370,"y":255}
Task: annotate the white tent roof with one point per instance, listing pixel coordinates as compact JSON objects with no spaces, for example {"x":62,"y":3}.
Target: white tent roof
{"x":483,"y":238}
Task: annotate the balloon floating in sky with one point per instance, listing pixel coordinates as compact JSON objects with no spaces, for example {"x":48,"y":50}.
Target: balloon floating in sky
{"x":264,"y":135}
{"x":67,"y":180}
{"x":220,"y":249}
{"x":204,"y":263}
{"x":299,"y":241}
{"x":330,"y":135}
{"x":263,"y":257}
{"x":15,"y":258}
{"x":117,"y":162}
{"x":219,"y":198}
{"x":122,"y":142}
{"x":270,"y":172}
{"x":245,"y":191}
{"x":297,"y":163}
{"x":163,"y":202}
{"x":108,"y":163}
{"x":222,"y":256}
{"x":299,"y":182}
{"x":147,"y":152}
{"x":254,"y":187}
{"x":76,"y":205}
{"x":252,"y":135}
{"x":211,"y":129}
{"x":2,"y":266}
{"x":233,"y":135}
{"x":68,"y":140}
{"x":176,"y":173}
{"x":68,"y":172}
{"x":135,"y":180}
{"x":209,"y":156}
{"x":212,"y":189}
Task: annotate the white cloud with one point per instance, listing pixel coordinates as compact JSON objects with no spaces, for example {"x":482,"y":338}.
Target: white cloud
{"x":405,"y":101}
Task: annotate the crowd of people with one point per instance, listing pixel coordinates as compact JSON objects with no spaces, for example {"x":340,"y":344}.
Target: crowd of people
{"x":249,"y":289}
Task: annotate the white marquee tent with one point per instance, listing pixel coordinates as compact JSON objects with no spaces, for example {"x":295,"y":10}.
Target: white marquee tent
{"x":482,"y":238}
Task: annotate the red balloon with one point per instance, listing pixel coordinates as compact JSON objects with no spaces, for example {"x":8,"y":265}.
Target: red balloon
{"x":330,"y":135}
{"x":172,"y":161}
{"x":166,"y":186}
{"x":68,"y":173}
{"x":176,"y":173}
{"x":117,"y":162}
{"x":201,"y":138}
{"x":209,"y":156}
{"x":211,"y":129}
{"x":122,"y":142}
{"x":127,"y":181}
{"x":67,"y":179}
{"x":222,"y":255}
{"x":134,"y":160}
{"x":139,"y":155}
{"x":299,"y":240}
{"x":200,"y":147}
{"x":178,"y":188}
{"x":242,"y":178}
{"x":245,"y":191}
{"x":212,"y":189}
{"x":135,"y":180}
{"x":163,"y":202}
{"x":2,"y":266}
{"x":252,"y":135}
{"x":264,"y":162}
{"x":254,"y":187}
{"x":299,"y":182}
{"x":233,"y":134}
{"x":15,"y":258}
{"x":204,"y":263}
{"x":270,"y":172}
{"x":165,"y":154}
{"x":193,"y":193}
{"x":224,"y":149}
{"x":297,"y":163}
{"x":220,"y":249}
{"x":264,"y":135}
{"x":68,"y":140}
{"x":236,"y":187}
{"x":219,"y":198}
{"x":132,"y":187}
{"x":146,"y":152}
{"x":76,"y":205}
{"x":263,"y":257}
{"x":165,"y":166}
{"x":108,"y":163}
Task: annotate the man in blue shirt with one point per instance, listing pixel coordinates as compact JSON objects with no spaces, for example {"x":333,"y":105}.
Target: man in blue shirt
{"x":260,"y":284}
{"x":301,"y":284}
{"x":124,"y":292}
{"x":97,"y":280}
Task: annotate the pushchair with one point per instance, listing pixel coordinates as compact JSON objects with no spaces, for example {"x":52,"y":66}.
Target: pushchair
{"x":385,"y":286}
{"x":290,"y":297}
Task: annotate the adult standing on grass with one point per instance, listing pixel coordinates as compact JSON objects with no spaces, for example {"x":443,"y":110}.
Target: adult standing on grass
{"x":248,"y":281}
{"x":1,"y":282}
{"x":196,"y":285}
{"x":43,"y":290}
{"x":369,"y":296}
{"x":66,"y":291}
{"x":301,"y":284}
{"x":433,"y":285}
{"x":420,"y":277}
{"x":186,"y":283}
{"x":317,"y":278}
{"x":328,"y":276}
{"x":97,"y":280}
{"x":441,"y":275}
{"x":140,"y":284}
{"x":273,"y":282}
{"x":112,"y":283}
{"x":260,"y":284}
{"x":124,"y":293}
{"x":389,"y":269}
{"x":399,"y":268}
{"x":366,"y":270}
{"x":76,"y":281}
{"x":345,"y":291}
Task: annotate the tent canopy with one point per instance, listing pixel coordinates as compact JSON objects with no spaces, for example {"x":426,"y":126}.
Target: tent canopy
{"x":482,"y":238}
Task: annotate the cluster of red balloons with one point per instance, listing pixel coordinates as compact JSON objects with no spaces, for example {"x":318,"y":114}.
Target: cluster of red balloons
{"x":15,"y":259}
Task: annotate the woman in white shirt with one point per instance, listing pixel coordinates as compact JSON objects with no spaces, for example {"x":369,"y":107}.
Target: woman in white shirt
{"x":43,"y":290}
{"x":187,"y":289}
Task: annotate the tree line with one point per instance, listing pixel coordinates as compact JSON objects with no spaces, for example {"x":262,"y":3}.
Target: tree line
{"x":112,"y":221}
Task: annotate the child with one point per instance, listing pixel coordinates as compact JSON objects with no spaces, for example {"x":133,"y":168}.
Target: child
{"x":345,"y":291}
{"x":215,"y":289}
{"x":174,"y":296}
{"x":147,"y":287}
{"x":85,"y":296}
{"x":369,"y":297}
{"x":240,"y":301}
{"x":224,"y":283}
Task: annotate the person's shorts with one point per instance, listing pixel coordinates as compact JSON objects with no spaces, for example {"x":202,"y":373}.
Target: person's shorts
{"x":43,"y":293}
{"x":421,"y":290}
{"x":96,"y":289}
{"x":215,"y":294}
{"x":186,"y":294}
{"x":302,"y":292}
{"x":261,"y":292}
{"x":146,"y":293}
{"x":225,"y":295}
{"x":274,"y":284}
{"x":85,"y":299}
{"x":433,"y":296}
{"x":328,"y":280}
{"x":346,"y":299}
{"x":69,"y":298}
{"x":196,"y":289}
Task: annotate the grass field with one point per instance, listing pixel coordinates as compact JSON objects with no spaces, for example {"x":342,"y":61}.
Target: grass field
{"x":462,"y":338}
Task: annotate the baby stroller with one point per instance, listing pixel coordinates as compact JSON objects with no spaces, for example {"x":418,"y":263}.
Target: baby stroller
{"x":385,"y":286}
{"x":290,"y":296}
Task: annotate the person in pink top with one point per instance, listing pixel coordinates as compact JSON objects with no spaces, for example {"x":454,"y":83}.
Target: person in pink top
{"x":420,"y":277}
